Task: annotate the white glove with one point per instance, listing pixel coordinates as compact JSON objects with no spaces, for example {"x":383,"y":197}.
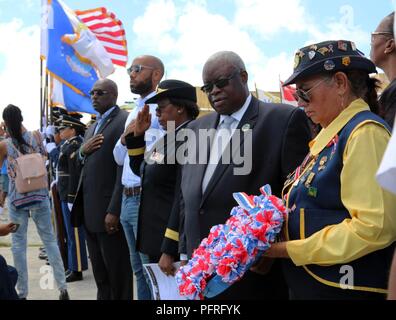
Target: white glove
{"x":50,"y":146}
{"x":70,"y":206}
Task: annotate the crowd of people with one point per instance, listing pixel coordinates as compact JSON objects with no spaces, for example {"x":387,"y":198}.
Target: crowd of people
{"x":131,"y":190}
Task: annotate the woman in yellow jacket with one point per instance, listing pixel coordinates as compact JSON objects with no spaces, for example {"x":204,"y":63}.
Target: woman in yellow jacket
{"x":341,"y":224}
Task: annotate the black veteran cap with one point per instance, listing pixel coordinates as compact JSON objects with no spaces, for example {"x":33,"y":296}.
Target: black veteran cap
{"x":71,"y":121}
{"x":174,"y":89}
{"x":328,"y":56}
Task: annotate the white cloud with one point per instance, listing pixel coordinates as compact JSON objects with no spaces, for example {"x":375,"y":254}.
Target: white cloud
{"x":195,"y":35}
{"x":344,"y":28}
{"x":152,"y":28}
{"x":269,"y":17}
{"x":266,"y":75}
{"x":20,"y":77}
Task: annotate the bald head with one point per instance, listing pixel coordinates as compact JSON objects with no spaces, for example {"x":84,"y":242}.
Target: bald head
{"x":226,"y":80}
{"x":104,"y":95}
{"x":226,"y":57}
{"x":145,"y":78}
{"x":388,"y":22}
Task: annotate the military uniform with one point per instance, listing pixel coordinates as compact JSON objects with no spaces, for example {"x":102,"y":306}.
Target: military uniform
{"x":68,"y":174}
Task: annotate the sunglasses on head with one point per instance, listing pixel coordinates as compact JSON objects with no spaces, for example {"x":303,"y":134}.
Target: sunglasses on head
{"x":382,"y":33}
{"x":304,"y":95}
{"x":220,"y":83}
{"x":98,"y":92}
{"x":138,"y":68}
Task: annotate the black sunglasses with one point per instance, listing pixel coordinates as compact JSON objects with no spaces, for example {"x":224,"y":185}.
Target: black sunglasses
{"x":137,"y":68}
{"x":304,"y":95}
{"x":220,"y":83}
{"x":98,"y":92}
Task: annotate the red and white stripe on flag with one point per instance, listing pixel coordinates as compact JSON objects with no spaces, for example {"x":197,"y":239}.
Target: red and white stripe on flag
{"x":109,"y":31}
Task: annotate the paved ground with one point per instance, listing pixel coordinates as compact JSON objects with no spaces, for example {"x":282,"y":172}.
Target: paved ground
{"x":79,"y":290}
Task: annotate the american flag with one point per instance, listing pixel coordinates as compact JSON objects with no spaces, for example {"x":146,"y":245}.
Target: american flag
{"x":109,"y":31}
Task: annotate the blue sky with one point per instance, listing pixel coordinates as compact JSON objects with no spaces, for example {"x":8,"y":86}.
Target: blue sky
{"x":185,"y":33}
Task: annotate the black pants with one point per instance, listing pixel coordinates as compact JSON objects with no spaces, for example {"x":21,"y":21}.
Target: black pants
{"x":8,"y":279}
{"x":109,"y":255}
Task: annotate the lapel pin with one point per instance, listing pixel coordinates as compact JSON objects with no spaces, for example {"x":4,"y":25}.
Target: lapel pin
{"x":246,"y":127}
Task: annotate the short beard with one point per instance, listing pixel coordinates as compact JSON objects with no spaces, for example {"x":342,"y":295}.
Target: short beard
{"x":142,"y":87}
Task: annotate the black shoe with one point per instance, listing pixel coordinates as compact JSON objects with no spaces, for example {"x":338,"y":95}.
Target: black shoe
{"x":67,"y":272}
{"x":74,"y":276}
{"x":64,"y":295}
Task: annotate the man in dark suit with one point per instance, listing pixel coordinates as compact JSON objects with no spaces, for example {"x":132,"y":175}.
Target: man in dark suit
{"x":99,"y":197}
{"x":279,"y":135}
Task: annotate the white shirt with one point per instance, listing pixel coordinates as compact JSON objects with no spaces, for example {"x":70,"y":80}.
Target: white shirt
{"x":120,"y":152}
{"x":215,"y":151}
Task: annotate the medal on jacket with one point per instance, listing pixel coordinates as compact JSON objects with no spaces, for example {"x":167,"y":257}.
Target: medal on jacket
{"x":310,"y":179}
{"x":322,"y":163}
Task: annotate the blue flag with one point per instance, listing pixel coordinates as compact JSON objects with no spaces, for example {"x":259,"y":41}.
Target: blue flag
{"x":62,"y":60}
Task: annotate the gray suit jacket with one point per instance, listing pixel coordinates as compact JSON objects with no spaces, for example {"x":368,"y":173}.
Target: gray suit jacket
{"x":100,"y":188}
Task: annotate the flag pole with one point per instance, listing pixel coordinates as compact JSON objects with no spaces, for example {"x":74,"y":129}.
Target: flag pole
{"x":48,"y":118}
{"x":41,"y":95}
{"x":280,"y":88}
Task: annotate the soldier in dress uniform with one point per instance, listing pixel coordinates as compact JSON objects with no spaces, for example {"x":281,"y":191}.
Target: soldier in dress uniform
{"x":68,"y":173}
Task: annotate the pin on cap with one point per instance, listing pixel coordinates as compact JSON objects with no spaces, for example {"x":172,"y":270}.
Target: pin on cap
{"x":329,"y":65}
{"x":346,"y":61}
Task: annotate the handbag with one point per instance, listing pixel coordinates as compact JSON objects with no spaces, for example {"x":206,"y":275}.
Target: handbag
{"x":31,"y":173}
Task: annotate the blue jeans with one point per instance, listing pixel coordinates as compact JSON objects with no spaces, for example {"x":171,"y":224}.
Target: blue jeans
{"x":129,"y":221}
{"x":41,"y":215}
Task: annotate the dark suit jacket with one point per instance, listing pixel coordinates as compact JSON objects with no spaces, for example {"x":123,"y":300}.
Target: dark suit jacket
{"x":100,"y":188}
{"x":280,"y":136}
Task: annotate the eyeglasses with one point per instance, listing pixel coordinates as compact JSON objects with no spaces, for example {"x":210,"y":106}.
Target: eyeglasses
{"x":137,"y":68}
{"x":304,"y":95}
{"x":98,"y":92}
{"x":220,"y":83}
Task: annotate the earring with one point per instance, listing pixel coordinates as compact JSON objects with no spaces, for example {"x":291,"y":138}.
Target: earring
{"x":179,"y":112}
{"x":342,"y":102}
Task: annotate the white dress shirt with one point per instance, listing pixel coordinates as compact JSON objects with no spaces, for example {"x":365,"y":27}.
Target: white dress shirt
{"x":120,"y":152}
{"x":215,"y":151}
